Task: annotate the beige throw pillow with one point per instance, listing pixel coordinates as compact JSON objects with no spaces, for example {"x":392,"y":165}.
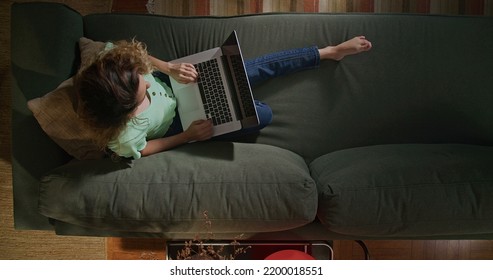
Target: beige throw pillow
{"x":56,"y":115}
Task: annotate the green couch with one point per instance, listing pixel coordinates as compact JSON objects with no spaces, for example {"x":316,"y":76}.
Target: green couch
{"x":393,"y":143}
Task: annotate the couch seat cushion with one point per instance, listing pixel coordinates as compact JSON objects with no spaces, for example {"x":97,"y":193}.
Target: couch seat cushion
{"x":406,"y":190}
{"x":242,"y":187}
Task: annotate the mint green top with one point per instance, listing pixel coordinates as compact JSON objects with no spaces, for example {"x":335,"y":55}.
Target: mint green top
{"x":149,"y":124}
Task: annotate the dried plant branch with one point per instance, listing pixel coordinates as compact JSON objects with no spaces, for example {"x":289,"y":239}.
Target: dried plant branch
{"x":200,"y":249}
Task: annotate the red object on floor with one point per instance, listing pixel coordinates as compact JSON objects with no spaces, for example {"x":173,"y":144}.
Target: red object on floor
{"x":289,"y":255}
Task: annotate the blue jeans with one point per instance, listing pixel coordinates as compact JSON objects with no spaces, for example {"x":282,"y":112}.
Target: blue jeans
{"x":281,"y":63}
{"x":261,"y":69}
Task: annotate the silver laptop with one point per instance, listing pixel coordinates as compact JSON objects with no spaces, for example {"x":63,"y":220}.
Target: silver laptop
{"x":222,"y":92}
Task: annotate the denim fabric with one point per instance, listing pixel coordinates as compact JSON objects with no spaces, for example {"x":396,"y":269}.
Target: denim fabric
{"x":281,"y":63}
{"x":274,"y":65}
{"x":259,"y":70}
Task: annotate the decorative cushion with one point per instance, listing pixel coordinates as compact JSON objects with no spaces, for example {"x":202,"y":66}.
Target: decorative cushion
{"x":243,"y":187}
{"x":56,"y":116}
{"x":406,"y":190}
{"x":88,"y":50}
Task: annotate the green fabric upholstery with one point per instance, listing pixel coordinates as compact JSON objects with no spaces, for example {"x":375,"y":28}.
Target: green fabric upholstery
{"x":410,"y":88}
{"x":243,"y":187}
{"x":406,"y":190}
{"x":44,"y":53}
{"x":427,"y":80}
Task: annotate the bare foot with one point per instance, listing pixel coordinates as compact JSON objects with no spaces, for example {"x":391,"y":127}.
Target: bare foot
{"x":353,"y":46}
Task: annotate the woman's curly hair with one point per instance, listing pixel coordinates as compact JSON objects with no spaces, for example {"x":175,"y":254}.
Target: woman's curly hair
{"x":107,"y":88}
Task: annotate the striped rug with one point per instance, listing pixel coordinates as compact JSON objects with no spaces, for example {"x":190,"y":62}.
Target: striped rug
{"x":239,"y":7}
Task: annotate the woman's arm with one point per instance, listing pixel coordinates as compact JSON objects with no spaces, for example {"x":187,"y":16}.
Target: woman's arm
{"x":198,"y":131}
{"x":182,"y":72}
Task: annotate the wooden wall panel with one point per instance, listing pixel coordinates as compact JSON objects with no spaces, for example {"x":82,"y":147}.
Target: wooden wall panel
{"x":237,"y":7}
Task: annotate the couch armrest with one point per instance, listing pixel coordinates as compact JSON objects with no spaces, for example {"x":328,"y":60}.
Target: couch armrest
{"x":44,"y":52}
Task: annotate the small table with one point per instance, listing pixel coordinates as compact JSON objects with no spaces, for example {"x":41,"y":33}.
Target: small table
{"x":250,"y":250}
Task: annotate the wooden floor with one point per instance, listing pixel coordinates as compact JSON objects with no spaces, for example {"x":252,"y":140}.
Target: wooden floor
{"x":129,"y":6}
{"x":151,"y":249}
{"x":135,"y":249}
{"x":417,"y":250}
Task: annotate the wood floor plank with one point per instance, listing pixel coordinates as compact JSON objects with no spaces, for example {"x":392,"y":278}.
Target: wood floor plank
{"x":144,"y":248}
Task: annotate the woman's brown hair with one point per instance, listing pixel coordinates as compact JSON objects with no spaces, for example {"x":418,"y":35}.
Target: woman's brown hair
{"x":107,"y":88}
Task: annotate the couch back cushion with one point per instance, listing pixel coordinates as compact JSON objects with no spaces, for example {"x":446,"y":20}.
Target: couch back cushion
{"x":427,"y":78}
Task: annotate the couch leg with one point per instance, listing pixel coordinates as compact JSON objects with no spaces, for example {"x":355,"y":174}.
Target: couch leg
{"x":363,"y":246}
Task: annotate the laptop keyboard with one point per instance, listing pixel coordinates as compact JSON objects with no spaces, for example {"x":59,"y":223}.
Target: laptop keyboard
{"x":245,"y":94}
{"x":213,"y":93}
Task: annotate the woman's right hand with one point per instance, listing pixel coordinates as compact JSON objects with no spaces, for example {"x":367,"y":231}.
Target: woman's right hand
{"x":199,"y":130}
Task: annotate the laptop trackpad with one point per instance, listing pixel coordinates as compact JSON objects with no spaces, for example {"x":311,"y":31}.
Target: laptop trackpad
{"x":188,"y":99}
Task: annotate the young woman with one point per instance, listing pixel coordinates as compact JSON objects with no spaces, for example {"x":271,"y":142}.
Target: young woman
{"x":123,"y":97}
